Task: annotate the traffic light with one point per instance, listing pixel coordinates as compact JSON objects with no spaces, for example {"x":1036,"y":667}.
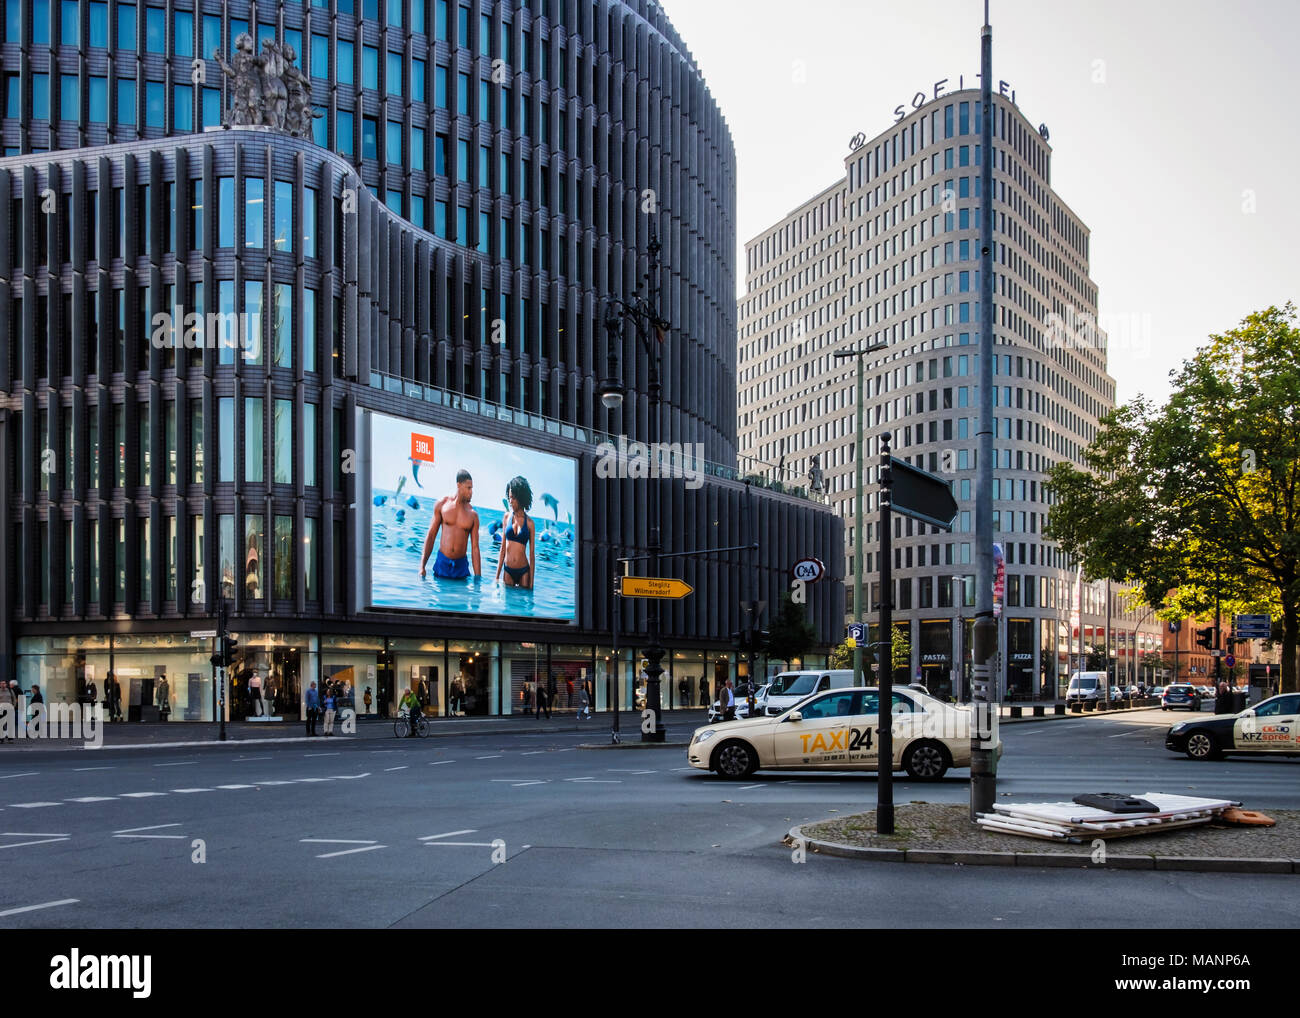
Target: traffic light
{"x":217,"y":659}
{"x":231,"y":647}
{"x":1206,"y":637}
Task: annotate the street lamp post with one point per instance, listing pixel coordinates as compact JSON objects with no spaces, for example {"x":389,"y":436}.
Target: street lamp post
{"x":651,"y":328}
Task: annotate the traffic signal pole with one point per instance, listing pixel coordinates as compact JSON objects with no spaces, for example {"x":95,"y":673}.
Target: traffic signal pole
{"x":983,"y":766}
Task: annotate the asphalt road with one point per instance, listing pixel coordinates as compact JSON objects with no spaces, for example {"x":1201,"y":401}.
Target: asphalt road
{"x":528,"y":829}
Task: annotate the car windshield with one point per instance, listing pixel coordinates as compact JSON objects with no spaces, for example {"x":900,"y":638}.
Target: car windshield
{"x":792,"y":685}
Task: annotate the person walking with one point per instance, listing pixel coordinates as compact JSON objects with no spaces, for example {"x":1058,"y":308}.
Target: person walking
{"x":411,"y":704}
{"x":543,"y":703}
{"x":552,"y":694}
{"x":331,"y":702}
{"x":367,"y":699}
{"x":584,"y":702}
{"x":313,"y":708}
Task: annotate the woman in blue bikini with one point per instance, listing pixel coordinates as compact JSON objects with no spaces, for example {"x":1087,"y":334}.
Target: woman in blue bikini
{"x":518,"y":537}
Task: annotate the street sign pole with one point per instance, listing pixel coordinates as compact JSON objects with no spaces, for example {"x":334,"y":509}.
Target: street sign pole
{"x":858,"y":614}
{"x":885,"y":655}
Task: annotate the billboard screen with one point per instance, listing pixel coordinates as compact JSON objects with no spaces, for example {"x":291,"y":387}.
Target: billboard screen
{"x":460,"y":523}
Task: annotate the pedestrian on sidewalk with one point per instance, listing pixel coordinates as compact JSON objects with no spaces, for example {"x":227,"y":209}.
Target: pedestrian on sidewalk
{"x":727,"y":701}
{"x":704,"y":692}
{"x":584,"y":703}
{"x":330,"y":704}
{"x":543,"y":702}
{"x":313,"y":709}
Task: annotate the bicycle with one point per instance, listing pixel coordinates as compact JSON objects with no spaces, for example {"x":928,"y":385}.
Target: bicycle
{"x":402,"y":726}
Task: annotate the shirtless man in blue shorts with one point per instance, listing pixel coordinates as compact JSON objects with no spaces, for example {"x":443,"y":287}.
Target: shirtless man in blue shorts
{"x":456,"y":517}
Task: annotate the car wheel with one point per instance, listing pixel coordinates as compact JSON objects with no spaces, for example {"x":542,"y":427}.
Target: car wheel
{"x":1201,"y":746}
{"x":926,"y":761}
{"x":735,"y":760}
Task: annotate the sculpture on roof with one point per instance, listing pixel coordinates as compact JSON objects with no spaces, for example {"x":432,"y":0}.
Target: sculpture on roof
{"x":267,"y":89}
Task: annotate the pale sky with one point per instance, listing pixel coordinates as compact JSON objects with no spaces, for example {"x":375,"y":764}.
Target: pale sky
{"x":1173,"y":131}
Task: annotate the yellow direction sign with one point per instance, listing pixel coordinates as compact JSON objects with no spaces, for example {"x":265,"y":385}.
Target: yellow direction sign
{"x":654,"y":586}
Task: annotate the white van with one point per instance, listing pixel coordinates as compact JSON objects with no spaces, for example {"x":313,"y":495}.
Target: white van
{"x":788,"y":688}
{"x":1086,"y":686}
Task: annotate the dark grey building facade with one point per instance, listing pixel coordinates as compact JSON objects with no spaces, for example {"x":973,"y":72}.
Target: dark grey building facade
{"x":482,"y":176}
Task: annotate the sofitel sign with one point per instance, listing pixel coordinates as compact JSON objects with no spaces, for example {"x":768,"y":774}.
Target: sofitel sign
{"x":940,"y":88}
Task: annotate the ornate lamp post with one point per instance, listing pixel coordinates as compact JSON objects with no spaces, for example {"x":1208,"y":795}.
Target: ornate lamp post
{"x":651,"y":328}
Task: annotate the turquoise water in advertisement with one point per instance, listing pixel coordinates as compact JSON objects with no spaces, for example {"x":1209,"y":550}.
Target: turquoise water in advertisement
{"x":396,"y":544}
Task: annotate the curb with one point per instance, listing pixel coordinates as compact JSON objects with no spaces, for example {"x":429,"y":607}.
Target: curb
{"x":1050,"y":860}
{"x":633,"y":745}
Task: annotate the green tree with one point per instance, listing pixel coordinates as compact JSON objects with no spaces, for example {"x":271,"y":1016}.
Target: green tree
{"x":1200,"y":497}
{"x":790,"y":635}
{"x":901,"y":653}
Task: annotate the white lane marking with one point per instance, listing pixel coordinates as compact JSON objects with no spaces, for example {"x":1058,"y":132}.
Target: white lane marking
{"x":449,"y":834}
{"x":535,"y":752}
{"x":169,"y":837}
{"x":349,"y":777}
{"x":94,"y":798}
{"x":494,"y":756}
{"x":179,"y":763}
{"x":745,"y":788}
{"x":275,"y":782}
{"x":308,"y":780}
{"x":92,"y":768}
{"x":242,"y":759}
{"x":319,"y":754}
{"x":141,"y":795}
{"x":338,"y":841}
{"x":151,"y":827}
{"x":435,"y":763}
{"x":402,"y":768}
{"x":24,"y":844}
{"x":236,"y":786}
{"x":32,"y":805}
{"x":1136,"y":731}
{"x":459,"y":844}
{"x":508,"y":781}
{"x":629,"y":770}
{"x":24,"y":774}
{"x":386,"y":751}
{"x":33,"y":834}
{"x":350,"y":851}
{"x":597,"y":781}
{"x":686,"y":768}
{"x":186,"y":791}
{"x":571,"y":749}
{"x":46,"y":904}
{"x":521,"y":784}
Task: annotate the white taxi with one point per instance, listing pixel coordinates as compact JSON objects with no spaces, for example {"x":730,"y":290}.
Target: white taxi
{"x":837,"y":730}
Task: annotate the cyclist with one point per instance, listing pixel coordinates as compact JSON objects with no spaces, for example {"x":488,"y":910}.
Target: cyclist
{"x":411,"y":702}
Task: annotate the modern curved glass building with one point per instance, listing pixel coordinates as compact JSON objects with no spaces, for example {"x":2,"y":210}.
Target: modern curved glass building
{"x":209,"y":333}
{"x":889,"y":253}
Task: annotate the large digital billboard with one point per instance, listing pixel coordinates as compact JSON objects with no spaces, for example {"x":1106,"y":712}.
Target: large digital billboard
{"x":460,"y":523}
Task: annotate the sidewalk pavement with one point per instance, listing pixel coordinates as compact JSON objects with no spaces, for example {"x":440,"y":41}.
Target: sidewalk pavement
{"x":179,"y":734}
{"x":185,"y":734}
